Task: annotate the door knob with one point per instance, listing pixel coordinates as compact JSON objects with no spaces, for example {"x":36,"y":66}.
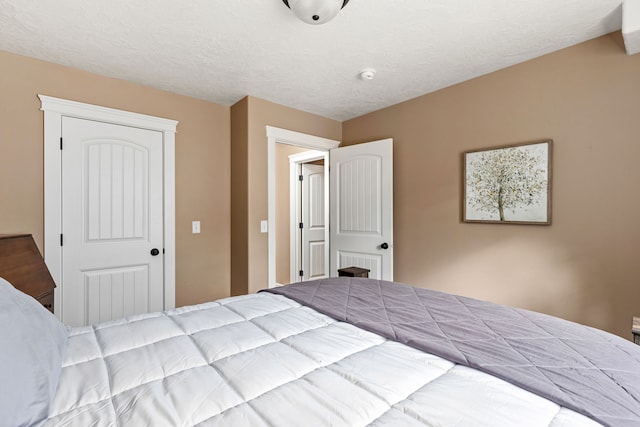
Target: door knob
{"x":155,"y":251}
{"x":384,"y":246}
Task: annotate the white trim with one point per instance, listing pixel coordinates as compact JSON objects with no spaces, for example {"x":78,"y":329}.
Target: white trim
{"x":295,"y":246}
{"x":294,"y":218}
{"x":289,"y":137}
{"x":54,"y":109}
{"x":284,"y":136}
{"x":108,"y":115}
{"x":307,"y":156}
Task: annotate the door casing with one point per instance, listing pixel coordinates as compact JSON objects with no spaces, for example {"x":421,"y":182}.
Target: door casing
{"x":54,"y":109}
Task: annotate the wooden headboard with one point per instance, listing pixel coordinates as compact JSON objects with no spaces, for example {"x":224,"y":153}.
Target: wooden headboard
{"x":22,"y":265}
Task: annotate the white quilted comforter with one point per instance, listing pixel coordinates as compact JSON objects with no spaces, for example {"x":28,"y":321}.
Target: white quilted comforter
{"x":265,"y":360}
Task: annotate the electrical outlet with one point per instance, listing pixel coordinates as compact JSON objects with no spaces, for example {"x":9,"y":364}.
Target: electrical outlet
{"x":195,"y":227}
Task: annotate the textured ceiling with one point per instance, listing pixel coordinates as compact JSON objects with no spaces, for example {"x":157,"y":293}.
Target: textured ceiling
{"x":223,"y":50}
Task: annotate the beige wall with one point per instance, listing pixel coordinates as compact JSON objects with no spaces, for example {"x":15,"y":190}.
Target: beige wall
{"x":260,"y":114}
{"x":202,"y":162}
{"x":586,"y":98}
{"x":584,"y":267}
{"x":239,"y":199}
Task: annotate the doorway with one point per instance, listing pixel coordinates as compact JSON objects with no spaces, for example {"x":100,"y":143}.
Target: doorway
{"x":277,"y":136}
{"x":307,"y":214}
{"x":360,"y":201}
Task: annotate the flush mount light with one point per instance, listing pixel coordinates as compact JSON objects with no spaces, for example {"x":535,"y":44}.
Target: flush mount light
{"x":315,"y":11}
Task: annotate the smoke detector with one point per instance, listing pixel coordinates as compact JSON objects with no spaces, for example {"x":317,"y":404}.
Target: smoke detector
{"x":367,"y":74}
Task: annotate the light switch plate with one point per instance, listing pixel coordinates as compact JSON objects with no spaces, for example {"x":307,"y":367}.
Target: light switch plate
{"x":195,"y":227}
{"x":264,"y":226}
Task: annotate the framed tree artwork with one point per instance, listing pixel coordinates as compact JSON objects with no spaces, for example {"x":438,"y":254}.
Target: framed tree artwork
{"x":509,"y":184}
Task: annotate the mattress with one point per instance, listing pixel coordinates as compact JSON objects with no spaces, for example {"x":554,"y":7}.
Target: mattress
{"x":266,"y":360}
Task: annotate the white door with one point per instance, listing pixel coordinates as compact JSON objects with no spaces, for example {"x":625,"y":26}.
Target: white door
{"x":312,"y":222}
{"x":112,"y":221}
{"x":361,"y":181}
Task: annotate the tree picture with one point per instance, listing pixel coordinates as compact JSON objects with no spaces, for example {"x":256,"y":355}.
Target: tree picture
{"x":509,"y":184}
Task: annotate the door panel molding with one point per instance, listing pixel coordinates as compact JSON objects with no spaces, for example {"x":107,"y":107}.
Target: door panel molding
{"x":115,"y":292}
{"x":54,"y":109}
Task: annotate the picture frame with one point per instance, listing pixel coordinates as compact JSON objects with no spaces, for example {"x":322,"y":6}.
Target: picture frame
{"x":509,"y":184}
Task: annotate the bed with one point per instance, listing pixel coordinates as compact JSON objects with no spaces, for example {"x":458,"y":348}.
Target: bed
{"x":342,"y":352}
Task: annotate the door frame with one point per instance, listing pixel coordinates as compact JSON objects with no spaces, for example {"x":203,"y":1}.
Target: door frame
{"x":284,"y":136}
{"x":295,"y":249}
{"x":54,"y":109}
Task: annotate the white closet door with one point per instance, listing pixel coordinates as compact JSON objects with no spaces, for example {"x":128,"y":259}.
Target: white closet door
{"x":112,"y":183}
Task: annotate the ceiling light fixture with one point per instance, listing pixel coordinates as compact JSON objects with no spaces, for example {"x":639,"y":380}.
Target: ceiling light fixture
{"x":315,"y":11}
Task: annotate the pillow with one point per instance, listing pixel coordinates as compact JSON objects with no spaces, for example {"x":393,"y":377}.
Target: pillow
{"x":32,"y":345}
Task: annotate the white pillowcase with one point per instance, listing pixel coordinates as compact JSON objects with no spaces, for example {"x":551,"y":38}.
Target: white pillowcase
{"x":32,"y":346}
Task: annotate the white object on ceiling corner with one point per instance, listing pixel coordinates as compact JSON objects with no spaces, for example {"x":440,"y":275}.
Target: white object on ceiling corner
{"x":367,"y":74}
{"x":631,"y":26}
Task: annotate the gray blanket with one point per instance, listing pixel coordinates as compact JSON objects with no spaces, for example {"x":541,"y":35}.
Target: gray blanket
{"x":584,"y":369}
